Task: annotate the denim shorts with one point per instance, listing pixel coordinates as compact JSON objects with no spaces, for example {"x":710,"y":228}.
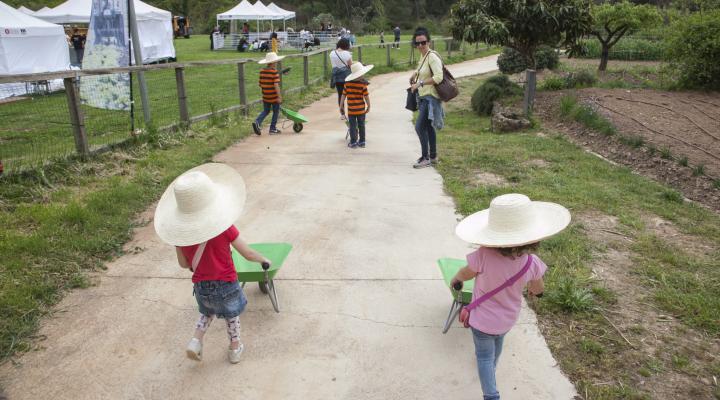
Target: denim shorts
{"x":220,"y":298}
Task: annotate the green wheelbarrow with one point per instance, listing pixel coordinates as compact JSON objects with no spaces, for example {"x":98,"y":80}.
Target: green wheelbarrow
{"x":295,"y":117}
{"x":461,"y":295}
{"x":263,"y":274}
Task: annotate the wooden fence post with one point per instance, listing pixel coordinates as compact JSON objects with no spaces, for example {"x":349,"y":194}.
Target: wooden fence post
{"x":325,"y":62}
{"x":76,"y":116}
{"x":241,"y":87}
{"x":529,"y":91}
{"x":387,"y":55}
{"x":306,"y":76}
{"x":280,"y":68}
{"x":182,"y":97}
{"x":360,"y":53}
{"x":448,"y":44}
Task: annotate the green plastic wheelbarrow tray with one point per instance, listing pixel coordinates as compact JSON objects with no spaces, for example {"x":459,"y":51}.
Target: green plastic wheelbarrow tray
{"x":449,"y":267}
{"x":249,"y":271}
{"x":297,"y":119}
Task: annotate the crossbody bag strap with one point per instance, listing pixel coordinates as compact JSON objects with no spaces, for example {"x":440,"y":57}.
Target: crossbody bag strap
{"x":197,"y":256}
{"x":507,"y":283}
{"x":340,"y":58}
{"x":422,"y":63}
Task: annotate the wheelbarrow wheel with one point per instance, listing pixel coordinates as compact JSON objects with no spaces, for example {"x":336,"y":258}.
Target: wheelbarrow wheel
{"x":263,"y":287}
{"x":298,"y":127}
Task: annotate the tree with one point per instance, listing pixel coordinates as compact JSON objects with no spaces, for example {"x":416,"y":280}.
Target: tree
{"x":523,"y":25}
{"x":613,"y":21}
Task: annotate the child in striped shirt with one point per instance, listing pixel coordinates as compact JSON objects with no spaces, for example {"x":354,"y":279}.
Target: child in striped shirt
{"x":272,"y":98}
{"x":358,"y":101}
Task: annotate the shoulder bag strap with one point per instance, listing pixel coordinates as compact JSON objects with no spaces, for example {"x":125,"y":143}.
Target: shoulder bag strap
{"x":197,"y":256}
{"x":340,"y":58}
{"x":507,"y":283}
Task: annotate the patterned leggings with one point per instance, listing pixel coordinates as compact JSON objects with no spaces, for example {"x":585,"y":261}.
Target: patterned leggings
{"x":233,"y":326}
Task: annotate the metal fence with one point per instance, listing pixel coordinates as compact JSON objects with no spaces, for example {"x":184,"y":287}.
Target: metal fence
{"x":43,"y":120}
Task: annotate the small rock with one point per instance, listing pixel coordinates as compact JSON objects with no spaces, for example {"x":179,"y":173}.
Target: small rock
{"x":507,"y":120}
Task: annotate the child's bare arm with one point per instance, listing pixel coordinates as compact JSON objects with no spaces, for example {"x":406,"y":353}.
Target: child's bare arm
{"x":181,"y":258}
{"x":277,"y":90}
{"x":342,"y":104}
{"x":367,"y":101}
{"x":465,"y":274}
{"x":247,"y":252}
{"x":536,"y":287}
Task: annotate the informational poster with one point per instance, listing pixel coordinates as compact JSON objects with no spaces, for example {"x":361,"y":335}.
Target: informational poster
{"x":107,"y":46}
{"x":218,"y":40}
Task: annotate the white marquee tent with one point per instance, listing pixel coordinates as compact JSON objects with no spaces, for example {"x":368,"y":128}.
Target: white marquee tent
{"x":25,"y":10}
{"x":30,"y":45}
{"x":154,"y":25}
{"x":256,"y":12}
{"x":285,"y":13}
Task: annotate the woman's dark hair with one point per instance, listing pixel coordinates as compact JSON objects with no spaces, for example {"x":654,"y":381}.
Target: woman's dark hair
{"x":274,"y":35}
{"x":517,"y":251}
{"x":343,"y":43}
{"x":420,"y":31}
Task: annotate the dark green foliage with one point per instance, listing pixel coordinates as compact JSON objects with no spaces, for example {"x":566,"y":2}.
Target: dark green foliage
{"x":493,"y":89}
{"x":693,"y":50}
{"x":512,"y":62}
{"x":581,"y":78}
{"x":628,"y":48}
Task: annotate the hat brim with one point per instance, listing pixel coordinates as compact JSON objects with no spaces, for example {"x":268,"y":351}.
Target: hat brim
{"x":550,"y":219}
{"x":365,"y":69}
{"x":182,"y":229}
{"x":266,"y":61}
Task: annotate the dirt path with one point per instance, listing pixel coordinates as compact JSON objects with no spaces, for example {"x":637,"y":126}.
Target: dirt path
{"x":362,"y":300}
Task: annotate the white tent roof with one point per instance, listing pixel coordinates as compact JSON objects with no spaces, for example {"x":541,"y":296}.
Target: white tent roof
{"x":44,"y":9}
{"x":25,"y":10}
{"x":78,"y":12}
{"x":277,"y":10}
{"x":30,"y":45}
{"x":247,"y":11}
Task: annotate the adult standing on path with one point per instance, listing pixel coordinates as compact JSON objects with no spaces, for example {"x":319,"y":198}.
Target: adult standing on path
{"x":341,"y":59}
{"x":430,"y":113}
{"x":396,"y":31}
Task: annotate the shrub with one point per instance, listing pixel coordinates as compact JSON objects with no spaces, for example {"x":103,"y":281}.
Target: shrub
{"x":580,"y":78}
{"x":491,"y":90}
{"x":693,"y":49}
{"x":511,"y":61}
{"x":553,"y":83}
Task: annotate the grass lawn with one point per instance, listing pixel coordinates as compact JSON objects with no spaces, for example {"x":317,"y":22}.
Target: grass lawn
{"x":665,"y":278}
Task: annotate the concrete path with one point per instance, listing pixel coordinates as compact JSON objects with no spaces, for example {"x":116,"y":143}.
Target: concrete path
{"x":362,"y":299}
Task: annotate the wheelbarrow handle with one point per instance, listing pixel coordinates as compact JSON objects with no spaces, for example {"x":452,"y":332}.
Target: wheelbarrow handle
{"x":265,"y":265}
{"x":458,"y":286}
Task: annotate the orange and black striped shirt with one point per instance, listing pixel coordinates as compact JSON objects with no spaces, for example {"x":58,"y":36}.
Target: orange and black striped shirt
{"x":268,"y":78}
{"x":356,"y":92}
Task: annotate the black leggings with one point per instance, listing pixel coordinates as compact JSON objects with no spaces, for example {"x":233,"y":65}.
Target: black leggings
{"x":339,"y":86}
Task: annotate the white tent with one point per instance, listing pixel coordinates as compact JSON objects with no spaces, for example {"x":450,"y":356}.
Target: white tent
{"x":248,"y":12}
{"x":29,"y":45}
{"x":154,"y":25}
{"x":285,"y":13}
{"x":25,"y":10}
{"x":43,"y":9}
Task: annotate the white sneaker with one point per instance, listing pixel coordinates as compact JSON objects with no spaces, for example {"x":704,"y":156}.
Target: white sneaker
{"x":194,"y":349}
{"x":234,"y":354}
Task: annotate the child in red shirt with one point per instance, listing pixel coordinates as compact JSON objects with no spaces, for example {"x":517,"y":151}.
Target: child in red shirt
{"x":196,"y":214}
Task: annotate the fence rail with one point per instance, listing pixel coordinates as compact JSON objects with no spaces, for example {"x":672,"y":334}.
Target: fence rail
{"x":49,"y":122}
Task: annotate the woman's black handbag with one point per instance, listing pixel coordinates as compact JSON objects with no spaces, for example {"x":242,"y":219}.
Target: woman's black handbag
{"x":411,"y":102}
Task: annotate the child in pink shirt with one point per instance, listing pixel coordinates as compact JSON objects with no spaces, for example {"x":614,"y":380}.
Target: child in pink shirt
{"x":508,"y":233}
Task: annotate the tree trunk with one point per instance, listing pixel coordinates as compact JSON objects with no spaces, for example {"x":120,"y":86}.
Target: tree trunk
{"x":604,"y":57}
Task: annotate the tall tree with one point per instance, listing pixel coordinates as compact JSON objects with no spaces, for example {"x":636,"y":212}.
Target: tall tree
{"x":613,"y":21}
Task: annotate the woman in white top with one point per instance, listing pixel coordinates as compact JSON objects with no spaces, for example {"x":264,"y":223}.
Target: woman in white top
{"x":341,"y":59}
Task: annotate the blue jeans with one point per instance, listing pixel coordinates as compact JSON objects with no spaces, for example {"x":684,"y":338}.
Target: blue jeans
{"x":487,"y":352}
{"x":220,"y":298}
{"x":357,"y":123}
{"x":266,"y":110}
{"x":425,"y":130}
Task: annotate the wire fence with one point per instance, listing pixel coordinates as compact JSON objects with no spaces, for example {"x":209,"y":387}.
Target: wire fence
{"x":42,"y":119}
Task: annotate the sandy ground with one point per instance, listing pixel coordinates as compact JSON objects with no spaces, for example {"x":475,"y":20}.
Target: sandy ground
{"x":362,"y":301}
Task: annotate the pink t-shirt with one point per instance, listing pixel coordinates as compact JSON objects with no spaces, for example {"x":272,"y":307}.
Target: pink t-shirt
{"x":499,"y":313}
{"x":216,"y":262}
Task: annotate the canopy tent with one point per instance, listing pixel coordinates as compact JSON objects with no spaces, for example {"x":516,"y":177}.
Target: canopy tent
{"x":154,"y":25}
{"x":25,"y":10}
{"x":285,"y":14}
{"x":29,"y":45}
{"x":43,"y":9}
{"x":256,"y":12}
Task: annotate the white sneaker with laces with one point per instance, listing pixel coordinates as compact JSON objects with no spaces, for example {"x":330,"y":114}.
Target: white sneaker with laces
{"x":194,"y":349}
{"x":234,"y":354}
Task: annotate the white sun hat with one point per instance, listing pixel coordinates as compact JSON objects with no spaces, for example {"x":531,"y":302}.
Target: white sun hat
{"x":200,"y":204}
{"x":357,"y":69}
{"x":270,"y":58}
{"x":513,"y":220}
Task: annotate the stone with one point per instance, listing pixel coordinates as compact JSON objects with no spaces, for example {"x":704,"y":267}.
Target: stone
{"x":507,"y":119}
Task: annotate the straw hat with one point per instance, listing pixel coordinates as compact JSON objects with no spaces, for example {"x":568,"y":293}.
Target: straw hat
{"x":200,"y":204}
{"x":270,"y":58}
{"x":513,"y":220}
{"x":357,"y":69}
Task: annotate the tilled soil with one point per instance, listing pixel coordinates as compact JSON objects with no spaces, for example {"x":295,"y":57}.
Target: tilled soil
{"x":685,"y":123}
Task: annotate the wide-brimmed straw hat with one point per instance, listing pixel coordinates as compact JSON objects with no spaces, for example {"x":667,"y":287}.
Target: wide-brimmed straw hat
{"x":513,"y":220}
{"x":357,"y":69}
{"x":200,"y":204}
{"x":270,"y":58}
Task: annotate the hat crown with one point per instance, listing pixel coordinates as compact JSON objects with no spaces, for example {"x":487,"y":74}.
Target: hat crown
{"x":510,"y":212}
{"x":356,"y":67}
{"x":193,"y":192}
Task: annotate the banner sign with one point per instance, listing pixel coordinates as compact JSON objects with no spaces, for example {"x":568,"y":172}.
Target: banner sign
{"x":107,"y":46}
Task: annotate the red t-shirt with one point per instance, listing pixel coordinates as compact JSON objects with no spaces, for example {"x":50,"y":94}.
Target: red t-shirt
{"x":216,"y":262}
